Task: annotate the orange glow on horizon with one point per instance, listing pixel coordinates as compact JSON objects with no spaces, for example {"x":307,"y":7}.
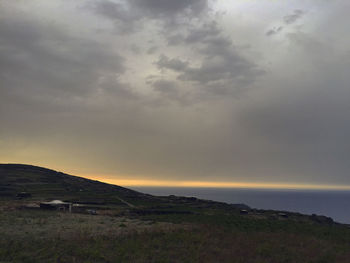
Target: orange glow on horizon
{"x":252,"y":185}
{"x":108,"y":178}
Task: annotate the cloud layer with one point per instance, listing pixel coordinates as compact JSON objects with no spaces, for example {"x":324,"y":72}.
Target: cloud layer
{"x":177,"y":90}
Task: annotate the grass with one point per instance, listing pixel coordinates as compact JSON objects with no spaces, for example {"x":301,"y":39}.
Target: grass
{"x":48,"y":236}
{"x":234,"y":222}
{"x":199,"y":244}
{"x":154,"y":229}
{"x":22,"y":224}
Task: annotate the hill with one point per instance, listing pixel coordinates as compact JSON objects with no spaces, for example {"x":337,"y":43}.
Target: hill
{"x":45,"y":184}
{"x":130,"y":226}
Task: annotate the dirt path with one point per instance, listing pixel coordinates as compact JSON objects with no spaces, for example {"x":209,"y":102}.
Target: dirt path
{"x":127,"y":203}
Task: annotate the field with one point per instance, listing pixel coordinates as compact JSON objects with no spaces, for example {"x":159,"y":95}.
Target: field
{"x":49,"y":236}
{"x":133,"y":227}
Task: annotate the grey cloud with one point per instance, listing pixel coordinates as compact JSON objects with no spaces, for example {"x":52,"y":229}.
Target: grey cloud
{"x":210,"y":112}
{"x":219,"y":68}
{"x":292,"y":18}
{"x":175,"y":64}
{"x":203,"y":33}
{"x":197,"y":34}
{"x":127,"y":15}
{"x":304,"y":121}
{"x":222,"y":66}
{"x":288,"y":20}
{"x":152,"y":50}
{"x":168,"y":90}
{"x":74,"y":91}
{"x":274,"y":31}
{"x":42,"y":63}
{"x":111,"y":9}
{"x":119,"y":12}
{"x":308,"y":135}
{"x":170,"y":7}
{"x":222,"y":70}
{"x":174,"y":39}
{"x":135,"y":49}
{"x":112,"y":86}
{"x":164,"y":85}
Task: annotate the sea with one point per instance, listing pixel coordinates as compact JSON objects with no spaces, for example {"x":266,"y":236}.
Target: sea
{"x":334,"y":204}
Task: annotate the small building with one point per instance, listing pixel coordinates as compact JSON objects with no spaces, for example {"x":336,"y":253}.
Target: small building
{"x":243,"y":212}
{"x":56,"y":205}
{"x":284,"y":215}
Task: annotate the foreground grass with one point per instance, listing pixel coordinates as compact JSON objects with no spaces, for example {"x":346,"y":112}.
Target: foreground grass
{"x":232,"y":222}
{"x":195,"y":245}
{"x":39,"y":236}
{"x":26,"y":224}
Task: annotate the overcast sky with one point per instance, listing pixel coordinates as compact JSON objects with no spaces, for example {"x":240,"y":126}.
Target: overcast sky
{"x":233,"y":91}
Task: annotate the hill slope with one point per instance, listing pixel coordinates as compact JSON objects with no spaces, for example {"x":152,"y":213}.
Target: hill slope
{"x":135,"y":227}
{"x":44,"y":183}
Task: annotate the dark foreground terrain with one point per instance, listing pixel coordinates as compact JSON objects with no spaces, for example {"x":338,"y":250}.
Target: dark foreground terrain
{"x":114,"y":224}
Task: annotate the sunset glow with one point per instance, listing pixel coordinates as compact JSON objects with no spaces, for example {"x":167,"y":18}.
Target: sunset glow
{"x":256,"y":185}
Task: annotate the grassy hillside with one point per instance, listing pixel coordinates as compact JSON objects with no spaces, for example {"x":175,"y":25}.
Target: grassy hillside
{"x":135,"y":227}
{"x":44,"y":183}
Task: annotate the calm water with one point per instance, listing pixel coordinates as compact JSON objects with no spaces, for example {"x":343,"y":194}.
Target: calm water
{"x":335,"y":204}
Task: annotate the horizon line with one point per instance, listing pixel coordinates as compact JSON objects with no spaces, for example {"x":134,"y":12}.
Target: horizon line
{"x":202,"y":184}
{"x":211,"y":184}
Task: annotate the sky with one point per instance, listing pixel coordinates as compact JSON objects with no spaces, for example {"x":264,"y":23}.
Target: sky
{"x":164,"y":92}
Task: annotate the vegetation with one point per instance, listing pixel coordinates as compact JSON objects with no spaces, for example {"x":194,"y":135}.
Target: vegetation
{"x":134,"y":227}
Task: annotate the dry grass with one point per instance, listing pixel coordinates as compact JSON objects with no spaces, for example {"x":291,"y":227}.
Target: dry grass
{"x":46,"y":236}
{"x":47,"y":224}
